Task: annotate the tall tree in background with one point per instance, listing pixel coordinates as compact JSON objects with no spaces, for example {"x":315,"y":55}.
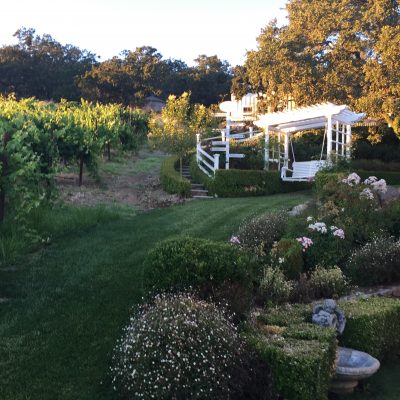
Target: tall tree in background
{"x":40,"y":66}
{"x":210,"y":80}
{"x":175,"y":129}
{"x":331,"y":50}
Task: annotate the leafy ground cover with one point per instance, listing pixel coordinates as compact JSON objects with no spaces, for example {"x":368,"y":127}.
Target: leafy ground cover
{"x":65,"y":305}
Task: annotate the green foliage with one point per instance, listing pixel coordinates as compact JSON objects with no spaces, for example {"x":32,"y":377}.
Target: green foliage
{"x":44,"y":224}
{"x":171,"y":180}
{"x":61,"y":291}
{"x":175,"y":130}
{"x":274,"y":287}
{"x":42,"y":67}
{"x":328,"y":282}
{"x":342,"y":51}
{"x":243,"y":183}
{"x":372,"y":326}
{"x":391,"y":216}
{"x":207,"y":267}
{"x":178,"y":348}
{"x":301,"y":355}
{"x":375,"y":263}
{"x":288,"y":255}
{"x":391,"y":177}
{"x":259,"y":233}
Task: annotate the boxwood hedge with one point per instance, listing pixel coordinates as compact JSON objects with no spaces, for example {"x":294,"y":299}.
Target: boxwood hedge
{"x":171,"y":180}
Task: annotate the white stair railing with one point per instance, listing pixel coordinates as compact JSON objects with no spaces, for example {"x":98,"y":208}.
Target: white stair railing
{"x":209,"y":163}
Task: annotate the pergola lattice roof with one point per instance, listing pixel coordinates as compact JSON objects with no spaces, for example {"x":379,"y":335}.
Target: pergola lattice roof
{"x":312,"y":117}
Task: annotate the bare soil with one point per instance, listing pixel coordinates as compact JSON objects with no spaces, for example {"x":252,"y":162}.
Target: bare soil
{"x":131,"y":180}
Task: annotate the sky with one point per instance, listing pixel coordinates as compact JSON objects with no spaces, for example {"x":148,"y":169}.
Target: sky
{"x":178,"y":29}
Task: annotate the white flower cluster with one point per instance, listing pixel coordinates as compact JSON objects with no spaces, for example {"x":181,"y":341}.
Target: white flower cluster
{"x":379,"y":186}
{"x":352,"y":180}
{"x":367,"y":194}
{"x":178,"y":347}
{"x":319,"y":227}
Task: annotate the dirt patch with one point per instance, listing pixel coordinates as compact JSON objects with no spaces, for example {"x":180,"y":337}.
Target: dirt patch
{"x":130,"y":180}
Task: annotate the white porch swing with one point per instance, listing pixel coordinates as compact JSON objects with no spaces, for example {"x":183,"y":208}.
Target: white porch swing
{"x":337,"y":121}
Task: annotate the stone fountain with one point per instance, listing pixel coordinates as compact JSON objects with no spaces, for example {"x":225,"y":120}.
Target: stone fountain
{"x":351,"y":365}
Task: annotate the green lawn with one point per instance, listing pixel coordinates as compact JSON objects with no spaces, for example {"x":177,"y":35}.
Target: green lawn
{"x":70,"y":300}
{"x":382,"y":386}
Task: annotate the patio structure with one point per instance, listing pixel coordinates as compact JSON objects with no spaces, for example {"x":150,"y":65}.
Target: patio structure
{"x":279,"y":127}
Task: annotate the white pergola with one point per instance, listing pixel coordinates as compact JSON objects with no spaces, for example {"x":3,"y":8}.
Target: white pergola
{"x":336,"y":119}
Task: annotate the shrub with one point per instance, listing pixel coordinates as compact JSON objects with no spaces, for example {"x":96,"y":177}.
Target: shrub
{"x":177,"y":348}
{"x":212,"y":269}
{"x":375,"y":263}
{"x":301,"y":355}
{"x":258,"y":234}
{"x":171,"y":180}
{"x":288,"y":254}
{"x":391,"y":216}
{"x":372,"y":325}
{"x":274,"y":288}
{"x":328,"y":282}
{"x":243,"y":183}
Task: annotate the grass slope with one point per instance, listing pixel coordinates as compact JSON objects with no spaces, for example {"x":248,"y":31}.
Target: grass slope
{"x":71,"y":299}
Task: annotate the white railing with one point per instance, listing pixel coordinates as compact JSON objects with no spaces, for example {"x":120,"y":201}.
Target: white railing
{"x":208,"y":162}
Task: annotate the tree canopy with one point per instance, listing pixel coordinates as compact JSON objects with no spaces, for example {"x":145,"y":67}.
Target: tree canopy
{"x":330,"y":50}
{"x":40,"y":66}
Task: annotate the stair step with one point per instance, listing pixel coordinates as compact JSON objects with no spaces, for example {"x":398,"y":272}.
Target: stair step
{"x":197,"y":185}
{"x":202,"y":197}
{"x":200,"y":190}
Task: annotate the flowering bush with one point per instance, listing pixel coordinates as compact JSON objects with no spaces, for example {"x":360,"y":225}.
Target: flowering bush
{"x":274,"y":286}
{"x":287,"y":255}
{"x":353,"y":205}
{"x":177,"y":348}
{"x":258,"y":234}
{"x":305,"y":242}
{"x":375,"y":263}
{"x":328,"y":282}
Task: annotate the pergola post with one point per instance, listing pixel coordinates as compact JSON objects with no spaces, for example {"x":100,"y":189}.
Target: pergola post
{"x":329,"y":138}
{"x":348,"y":141}
{"x":227,"y":137}
{"x":286,"y":150}
{"x":266,"y":148}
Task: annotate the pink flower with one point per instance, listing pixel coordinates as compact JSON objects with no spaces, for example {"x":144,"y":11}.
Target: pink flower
{"x":305,"y":242}
{"x":235,"y":240}
{"x":339,"y":233}
{"x":352,"y":179}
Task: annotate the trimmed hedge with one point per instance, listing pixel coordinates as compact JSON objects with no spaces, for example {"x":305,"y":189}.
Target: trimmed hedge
{"x":391,"y":177}
{"x":171,"y":180}
{"x":373,"y":326}
{"x":243,"y":183}
{"x":300,"y":355}
{"x":212,"y":269}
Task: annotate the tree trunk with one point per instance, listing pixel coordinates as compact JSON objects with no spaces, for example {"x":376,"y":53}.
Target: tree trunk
{"x":4,"y":171}
{"x":81,"y":169}
{"x":109,"y":151}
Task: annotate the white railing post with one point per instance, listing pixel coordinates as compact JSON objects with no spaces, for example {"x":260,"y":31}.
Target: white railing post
{"x":348,"y":141}
{"x":198,"y":146}
{"x":251,"y":131}
{"x":329,"y":138}
{"x":266,"y":148}
{"x":216,"y":162}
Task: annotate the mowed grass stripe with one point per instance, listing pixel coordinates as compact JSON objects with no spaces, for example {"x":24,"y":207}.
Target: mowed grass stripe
{"x":72,"y":299}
